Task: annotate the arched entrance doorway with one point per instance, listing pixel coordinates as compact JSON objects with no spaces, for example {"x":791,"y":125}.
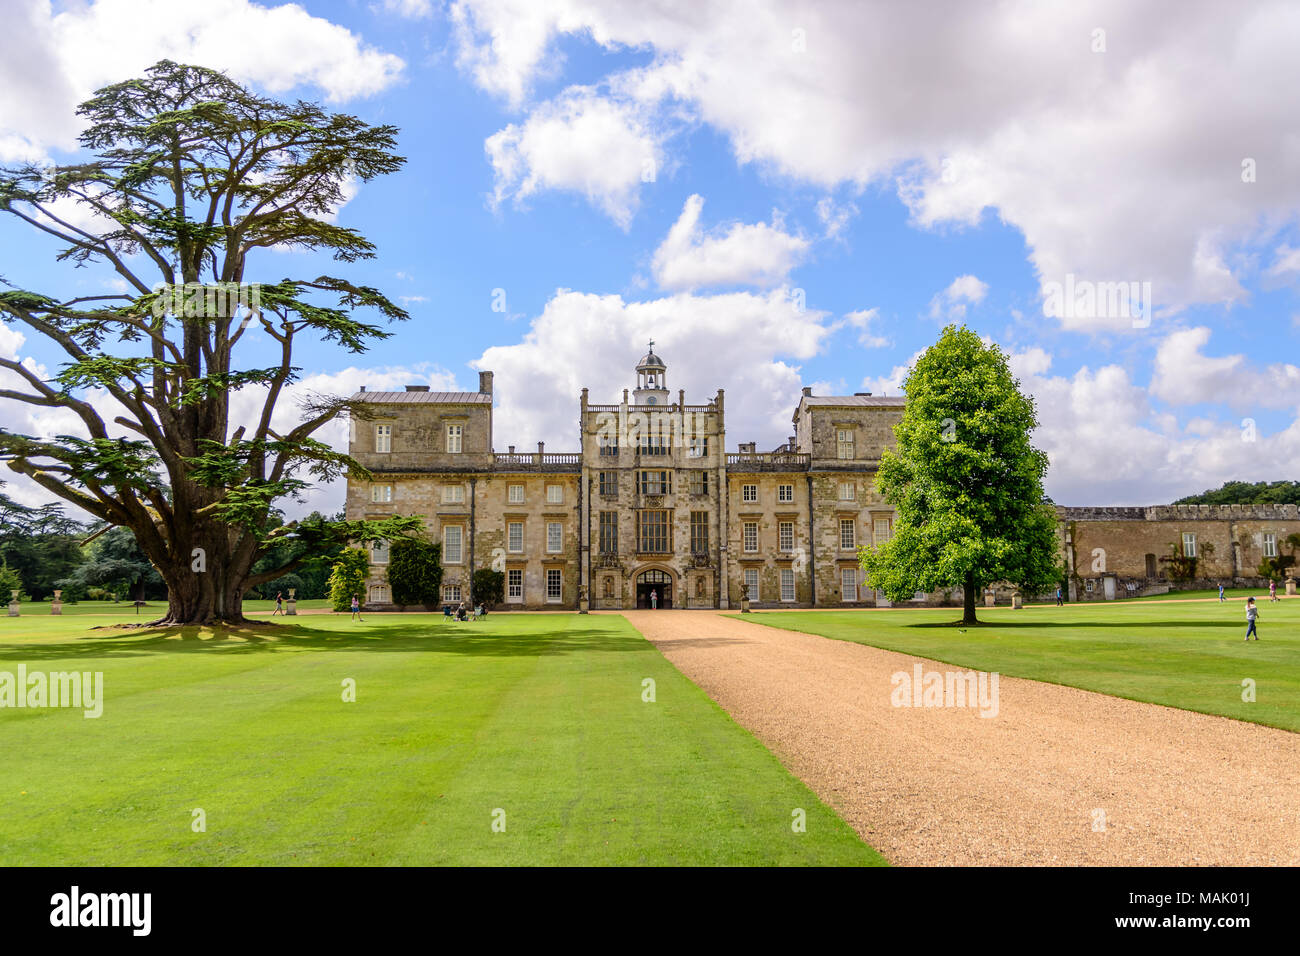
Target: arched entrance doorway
{"x":658,"y":582}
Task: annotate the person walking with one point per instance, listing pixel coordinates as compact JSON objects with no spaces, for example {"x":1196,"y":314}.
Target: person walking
{"x":654,"y":599}
{"x":356,"y":610}
{"x":1058,"y":596}
{"x":1252,"y":614}
{"x":1221,"y":597}
{"x":279,"y":604}
{"x":1272,"y":590}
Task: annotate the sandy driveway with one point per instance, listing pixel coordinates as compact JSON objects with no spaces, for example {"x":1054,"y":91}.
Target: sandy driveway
{"x":942,"y":785}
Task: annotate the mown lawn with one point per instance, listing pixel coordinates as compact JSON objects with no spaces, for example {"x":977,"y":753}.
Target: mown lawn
{"x":1182,"y":655}
{"x":535,"y":721}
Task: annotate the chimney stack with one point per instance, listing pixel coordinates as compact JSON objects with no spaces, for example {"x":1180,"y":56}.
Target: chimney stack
{"x":363,"y":388}
{"x":807,"y":391}
{"x":485,"y":383}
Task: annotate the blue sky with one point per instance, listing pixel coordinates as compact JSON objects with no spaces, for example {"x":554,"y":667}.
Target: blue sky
{"x":888,"y":175}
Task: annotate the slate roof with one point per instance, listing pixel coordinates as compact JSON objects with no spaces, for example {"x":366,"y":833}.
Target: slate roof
{"x":424,"y":398}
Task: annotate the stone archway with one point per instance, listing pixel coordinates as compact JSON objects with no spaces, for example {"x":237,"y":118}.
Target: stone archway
{"x":657,"y":581}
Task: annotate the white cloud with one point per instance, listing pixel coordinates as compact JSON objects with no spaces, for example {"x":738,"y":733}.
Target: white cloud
{"x":892,"y":384}
{"x":834,"y":217}
{"x":862,"y":320}
{"x":412,"y":9}
{"x":1108,"y":445}
{"x":50,"y":62}
{"x":1287,"y":262}
{"x":583,"y":339}
{"x":975,"y":114}
{"x":579,"y":142}
{"x":1184,"y":375}
{"x":951,"y":303}
{"x":756,"y":255}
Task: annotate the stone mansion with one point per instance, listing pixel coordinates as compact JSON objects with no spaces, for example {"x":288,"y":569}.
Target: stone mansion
{"x":650,"y":509}
{"x":653,"y":510}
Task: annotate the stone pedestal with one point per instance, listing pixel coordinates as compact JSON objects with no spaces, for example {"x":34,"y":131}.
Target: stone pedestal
{"x":13,"y":604}
{"x":291,"y":607}
{"x":990,"y":598}
{"x":1016,"y":600}
{"x":744,"y":604}
{"x":57,"y":606}
{"x":1290,"y":587}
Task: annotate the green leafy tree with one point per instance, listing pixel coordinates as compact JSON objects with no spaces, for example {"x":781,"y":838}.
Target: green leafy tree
{"x":116,"y":562}
{"x":415,"y":571}
{"x":348,"y":577}
{"x":1247,"y":493}
{"x":42,"y":544}
{"x":310,"y":580}
{"x":965,"y":481}
{"x":9,"y":580}
{"x":195,"y":177}
{"x":489,"y":587}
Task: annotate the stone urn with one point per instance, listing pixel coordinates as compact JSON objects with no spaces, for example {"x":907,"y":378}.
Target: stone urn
{"x":1017,"y":601}
{"x":291,"y":607}
{"x":13,"y":604}
{"x":57,"y":606}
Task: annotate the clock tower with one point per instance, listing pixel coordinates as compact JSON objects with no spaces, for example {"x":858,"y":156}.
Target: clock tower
{"x":651,"y":384}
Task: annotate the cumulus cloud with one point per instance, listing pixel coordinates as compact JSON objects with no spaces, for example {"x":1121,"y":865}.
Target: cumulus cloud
{"x":1184,"y":375}
{"x":892,"y":383}
{"x":951,"y":303}
{"x":579,"y":142}
{"x":976,"y":113}
{"x":1287,"y":262}
{"x":756,"y":255}
{"x":583,"y":339}
{"x":834,"y":217}
{"x":1108,"y":444}
{"x":86,"y":46}
{"x":862,"y":320}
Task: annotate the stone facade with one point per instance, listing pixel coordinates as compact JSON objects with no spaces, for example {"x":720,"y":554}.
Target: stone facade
{"x":1131,"y":548}
{"x":652,"y":506}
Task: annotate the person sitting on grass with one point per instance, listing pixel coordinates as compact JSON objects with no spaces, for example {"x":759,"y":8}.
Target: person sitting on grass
{"x":461,"y":614}
{"x":1252,"y":614}
{"x":479,"y":612}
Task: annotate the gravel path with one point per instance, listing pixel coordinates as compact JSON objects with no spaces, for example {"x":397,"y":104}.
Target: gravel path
{"x":942,"y":785}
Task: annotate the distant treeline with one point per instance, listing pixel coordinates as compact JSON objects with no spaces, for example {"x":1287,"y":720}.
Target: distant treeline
{"x":1248,"y":493}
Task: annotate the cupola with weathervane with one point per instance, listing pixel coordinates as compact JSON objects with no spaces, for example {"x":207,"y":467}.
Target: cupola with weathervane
{"x":651,"y":383}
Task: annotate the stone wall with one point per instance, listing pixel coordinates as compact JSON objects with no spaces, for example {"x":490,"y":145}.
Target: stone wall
{"x":1127,"y":544}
